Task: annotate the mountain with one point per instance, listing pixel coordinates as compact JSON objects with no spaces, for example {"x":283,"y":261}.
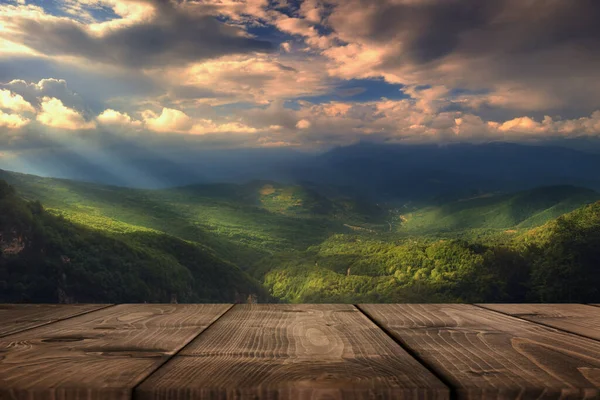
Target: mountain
{"x":385,"y":172}
{"x":516,"y":210}
{"x":131,"y":165}
{"x":438,"y":174}
{"x":45,"y":258}
{"x":241,"y":223}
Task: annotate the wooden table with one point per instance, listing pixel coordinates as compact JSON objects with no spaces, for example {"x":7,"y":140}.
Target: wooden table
{"x":299,"y":351}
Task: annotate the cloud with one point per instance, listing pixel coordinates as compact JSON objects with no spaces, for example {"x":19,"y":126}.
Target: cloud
{"x":548,"y":127}
{"x":11,"y":48}
{"x":304,"y":27}
{"x":295,"y":26}
{"x":206,"y":126}
{"x":264,"y":73}
{"x":111,"y":117}
{"x":56,"y":115}
{"x":286,"y":46}
{"x":405,"y":120}
{"x":242,"y":12}
{"x":14,"y":102}
{"x":169,"y":120}
{"x":256,"y":78}
{"x":523,"y":57}
{"x":521,"y":124}
{"x":157,"y":34}
{"x":176,"y":121}
{"x":33,"y":92}
{"x":12,"y":121}
{"x":303,"y":124}
{"x":312,"y":10}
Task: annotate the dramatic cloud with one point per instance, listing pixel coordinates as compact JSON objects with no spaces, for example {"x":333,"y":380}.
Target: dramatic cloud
{"x":14,"y":102}
{"x":308,"y":74}
{"x":169,"y":120}
{"x":152,"y":33}
{"x":176,"y":121}
{"x":115,"y":118}
{"x":56,"y":115}
{"x":32,"y":92}
{"x":257,"y":78}
{"x":527,"y":54}
{"x":204,"y":127}
{"x":12,"y":121}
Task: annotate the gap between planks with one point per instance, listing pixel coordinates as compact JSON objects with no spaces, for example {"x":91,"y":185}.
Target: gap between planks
{"x":537,"y":322}
{"x":293,"y":351}
{"x":431,"y":368}
{"x":399,"y":342}
{"x":490,"y":355}
{"x":133,"y":395}
{"x":78,"y":361}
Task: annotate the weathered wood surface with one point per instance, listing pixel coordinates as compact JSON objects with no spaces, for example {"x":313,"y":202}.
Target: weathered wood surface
{"x":100,"y":355}
{"x":576,"y":318}
{"x":19,"y":317}
{"x":292,"y":352}
{"x":485,"y":354}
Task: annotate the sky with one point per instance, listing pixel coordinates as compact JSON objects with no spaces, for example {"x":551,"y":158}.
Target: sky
{"x":163,"y":75}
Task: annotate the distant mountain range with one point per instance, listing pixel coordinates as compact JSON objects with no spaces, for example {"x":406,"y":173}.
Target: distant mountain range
{"x":383,"y":171}
{"x":443,"y":173}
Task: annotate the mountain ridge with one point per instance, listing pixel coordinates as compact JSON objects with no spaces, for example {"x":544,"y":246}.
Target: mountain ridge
{"x":387,"y":171}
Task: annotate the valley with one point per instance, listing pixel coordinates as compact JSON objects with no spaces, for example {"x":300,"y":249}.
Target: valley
{"x":299,"y":242}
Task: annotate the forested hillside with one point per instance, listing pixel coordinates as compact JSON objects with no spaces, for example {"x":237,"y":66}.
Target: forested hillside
{"x":564,"y":257}
{"x":304,"y":243}
{"x":45,"y":258}
{"x":242,"y":223}
{"x":515,"y":210}
{"x":557,"y":262}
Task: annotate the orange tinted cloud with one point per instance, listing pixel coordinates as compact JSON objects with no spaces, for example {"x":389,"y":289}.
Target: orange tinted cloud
{"x":14,"y":102}
{"x":12,"y":121}
{"x":56,"y":115}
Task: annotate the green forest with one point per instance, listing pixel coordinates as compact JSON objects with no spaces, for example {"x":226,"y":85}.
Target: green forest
{"x":67,"y":241}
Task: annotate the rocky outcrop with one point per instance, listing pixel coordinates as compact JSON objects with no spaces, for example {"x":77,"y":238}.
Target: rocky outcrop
{"x":11,"y":244}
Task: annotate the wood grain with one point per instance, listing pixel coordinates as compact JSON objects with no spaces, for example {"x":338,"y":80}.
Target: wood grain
{"x":576,"y":318}
{"x":100,"y":355}
{"x":19,"y":317}
{"x":484,"y":354}
{"x":303,"y":351}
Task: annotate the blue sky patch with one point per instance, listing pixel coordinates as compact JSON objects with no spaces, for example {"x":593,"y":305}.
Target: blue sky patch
{"x":360,"y":90}
{"x":57,"y":8}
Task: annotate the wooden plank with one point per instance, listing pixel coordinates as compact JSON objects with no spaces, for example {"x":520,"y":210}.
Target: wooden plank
{"x":19,"y":317}
{"x":303,"y":351}
{"x":575,"y":318}
{"x":100,"y":355}
{"x":484,"y":354}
